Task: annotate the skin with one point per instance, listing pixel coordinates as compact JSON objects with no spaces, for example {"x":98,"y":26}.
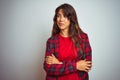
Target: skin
{"x":63,"y":23}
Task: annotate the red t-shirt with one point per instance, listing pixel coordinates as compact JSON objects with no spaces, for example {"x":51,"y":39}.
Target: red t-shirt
{"x":67,"y":52}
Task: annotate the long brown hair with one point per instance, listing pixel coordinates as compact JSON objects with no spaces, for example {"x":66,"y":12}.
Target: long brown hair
{"x":74,"y":29}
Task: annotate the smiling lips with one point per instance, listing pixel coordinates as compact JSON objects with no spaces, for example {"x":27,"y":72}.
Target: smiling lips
{"x":61,"y":24}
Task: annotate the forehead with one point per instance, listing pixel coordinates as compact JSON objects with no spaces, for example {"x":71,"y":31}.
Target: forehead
{"x":60,"y":11}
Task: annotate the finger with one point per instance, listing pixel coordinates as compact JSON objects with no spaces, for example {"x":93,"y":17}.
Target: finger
{"x":87,"y":68}
{"x":48,"y":59}
{"x":48,"y":56}
{"x":88,"y":65}
{"x":84,"y":59}
{"x":48,"y":62}
{"x":90,"y":68}
{"x":53,"y":56}
{"x":88,"y":62}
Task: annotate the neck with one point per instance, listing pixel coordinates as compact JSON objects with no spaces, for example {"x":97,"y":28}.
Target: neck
{"x":64,"y":33}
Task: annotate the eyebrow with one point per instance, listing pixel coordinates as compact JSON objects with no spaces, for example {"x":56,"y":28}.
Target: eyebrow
{"x":60,"y":14}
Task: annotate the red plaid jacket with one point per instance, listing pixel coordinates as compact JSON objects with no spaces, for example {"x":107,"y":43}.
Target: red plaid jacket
{"x":53,"y":71}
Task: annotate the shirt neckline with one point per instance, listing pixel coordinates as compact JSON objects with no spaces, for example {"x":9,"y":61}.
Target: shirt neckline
{"x":63,"y":37}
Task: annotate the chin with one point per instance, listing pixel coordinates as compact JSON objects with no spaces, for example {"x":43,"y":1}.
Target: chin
{"x":61,"y":27}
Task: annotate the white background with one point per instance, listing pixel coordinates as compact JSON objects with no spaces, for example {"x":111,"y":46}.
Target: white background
{"x":25,"y":26}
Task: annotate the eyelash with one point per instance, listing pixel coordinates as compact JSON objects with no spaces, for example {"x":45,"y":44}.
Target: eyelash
{"x":58,"y":15}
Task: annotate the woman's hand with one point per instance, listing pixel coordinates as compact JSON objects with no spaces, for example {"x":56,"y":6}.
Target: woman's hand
{"x":52,"y":60}
{"x":84,"y":65}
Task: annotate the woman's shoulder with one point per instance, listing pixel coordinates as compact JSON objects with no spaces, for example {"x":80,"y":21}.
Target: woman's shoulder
{"x":52,"y":38}
{"x":83,"y":35}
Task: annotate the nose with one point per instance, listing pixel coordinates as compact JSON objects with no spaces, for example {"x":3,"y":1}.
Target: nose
{"x":61,"y":18}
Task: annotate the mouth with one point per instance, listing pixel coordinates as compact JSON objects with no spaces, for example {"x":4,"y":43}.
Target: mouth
{"x":61,"y":24}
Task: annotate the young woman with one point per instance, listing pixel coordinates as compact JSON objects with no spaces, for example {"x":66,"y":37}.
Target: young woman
{"x":68,"y":52}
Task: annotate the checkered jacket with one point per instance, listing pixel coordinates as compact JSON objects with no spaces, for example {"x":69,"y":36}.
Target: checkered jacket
{"x":53,"y":71}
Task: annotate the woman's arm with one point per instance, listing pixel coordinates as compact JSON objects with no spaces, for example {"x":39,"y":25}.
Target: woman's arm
{"x":81,"y":65}
{"x":60,"y":69}
{"x":57,"y":69}
{"x":87,"y":48}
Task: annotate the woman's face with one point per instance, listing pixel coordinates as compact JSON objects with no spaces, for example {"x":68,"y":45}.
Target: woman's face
{"x":62,"y":21}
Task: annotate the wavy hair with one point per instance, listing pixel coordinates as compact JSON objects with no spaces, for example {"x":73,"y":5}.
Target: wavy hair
{"x":74,"y":29}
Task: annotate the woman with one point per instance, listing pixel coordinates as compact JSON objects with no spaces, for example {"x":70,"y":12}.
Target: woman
{"x":68,"y":52}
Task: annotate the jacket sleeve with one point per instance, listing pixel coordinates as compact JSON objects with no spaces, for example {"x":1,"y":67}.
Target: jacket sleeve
{"x":57,"y":69}
{"x":87,"y":48}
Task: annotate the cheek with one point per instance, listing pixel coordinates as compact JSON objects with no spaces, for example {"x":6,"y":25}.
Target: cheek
{"x":57,"y":20}
{"x":68,"y":22}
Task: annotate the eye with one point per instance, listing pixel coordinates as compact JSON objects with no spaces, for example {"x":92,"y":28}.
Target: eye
{"x":58,"y":15}
{"x":65,"y":16}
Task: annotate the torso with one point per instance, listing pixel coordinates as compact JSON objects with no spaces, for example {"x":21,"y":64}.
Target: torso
{"x":67,"y":52}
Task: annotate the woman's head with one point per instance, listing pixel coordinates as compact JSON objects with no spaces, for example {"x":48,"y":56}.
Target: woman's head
{"x":65,"y":16}
{"x":62,"y":21}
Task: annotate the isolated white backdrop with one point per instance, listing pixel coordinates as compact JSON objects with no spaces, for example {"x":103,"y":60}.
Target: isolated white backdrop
{"x":25,"y":26}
